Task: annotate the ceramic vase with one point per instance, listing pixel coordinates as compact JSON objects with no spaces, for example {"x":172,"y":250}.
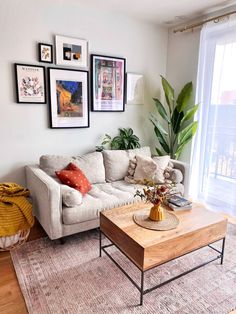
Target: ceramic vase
{"x":157,"y":213}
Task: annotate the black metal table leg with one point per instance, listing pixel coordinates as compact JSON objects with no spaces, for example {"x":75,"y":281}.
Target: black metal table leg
{"x":222,"y":252}
{"x":100,"y":243}
{"x":141,"y":288}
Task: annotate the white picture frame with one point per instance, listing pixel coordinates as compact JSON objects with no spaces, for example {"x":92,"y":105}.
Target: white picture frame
{"x":71,"y":51}
{"x":134,"y":89}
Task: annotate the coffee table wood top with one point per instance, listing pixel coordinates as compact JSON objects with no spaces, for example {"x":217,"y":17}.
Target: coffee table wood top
{"x":148,"y":248}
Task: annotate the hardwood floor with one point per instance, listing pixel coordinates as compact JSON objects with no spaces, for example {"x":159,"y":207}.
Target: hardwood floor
{"x":11,"y":299}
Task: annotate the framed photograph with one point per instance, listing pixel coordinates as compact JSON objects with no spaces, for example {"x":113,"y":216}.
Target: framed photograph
{"x":30,"y":84}
{"x":69,"y":105}
{"x":134,"y":89}
{"x":71,"y":51}
{"x":108,"y":83}
{"x":45,"y":53}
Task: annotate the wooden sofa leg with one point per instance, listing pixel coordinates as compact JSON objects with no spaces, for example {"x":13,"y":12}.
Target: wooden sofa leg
{"x":62,"y":241}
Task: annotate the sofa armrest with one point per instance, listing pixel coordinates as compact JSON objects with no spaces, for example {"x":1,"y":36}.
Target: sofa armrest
{"x":47,"y":202}
{"x":184,"y":168}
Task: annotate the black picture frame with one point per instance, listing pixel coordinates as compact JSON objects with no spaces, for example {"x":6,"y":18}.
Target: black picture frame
{"x":28,"y":69}
{"x":107,"y":104}
{"x":40,"y":57}
{"x":51,"y":87}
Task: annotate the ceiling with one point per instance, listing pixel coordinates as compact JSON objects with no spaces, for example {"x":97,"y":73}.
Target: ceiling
{"x":167,"y":12}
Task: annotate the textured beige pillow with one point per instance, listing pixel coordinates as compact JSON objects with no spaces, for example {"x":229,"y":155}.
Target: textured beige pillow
{"x":145,"y":168}
{"x":162,"y":163}
{"x":117,"y":161}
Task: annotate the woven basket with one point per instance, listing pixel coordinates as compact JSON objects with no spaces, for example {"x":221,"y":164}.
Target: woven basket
{"x":10,"y":242}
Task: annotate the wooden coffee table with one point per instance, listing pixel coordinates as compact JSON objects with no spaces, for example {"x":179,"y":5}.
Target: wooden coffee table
{"x":147,"y":249}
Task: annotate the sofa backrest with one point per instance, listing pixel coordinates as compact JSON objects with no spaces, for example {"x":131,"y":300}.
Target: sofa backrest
{"x":117,"y":161}
{"x":91,"y":164}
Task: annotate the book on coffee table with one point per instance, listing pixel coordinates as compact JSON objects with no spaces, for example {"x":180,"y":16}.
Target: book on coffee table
{"x":179,"y":203}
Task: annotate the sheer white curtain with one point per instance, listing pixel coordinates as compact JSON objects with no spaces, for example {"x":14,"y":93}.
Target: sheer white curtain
{"x":213,"y":174}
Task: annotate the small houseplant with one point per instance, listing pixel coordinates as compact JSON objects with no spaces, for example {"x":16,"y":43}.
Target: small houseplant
{"x":178,"y":128}
{"x":125,"y":140}
{"x":157,"y":195}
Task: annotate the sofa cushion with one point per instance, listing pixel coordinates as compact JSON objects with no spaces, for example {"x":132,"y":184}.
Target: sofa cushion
{"x":52,"y":163}
{"x":117,"y":161}
{"x":70,"y":196}
{"x":101,"y":196}
{"x":92,"y":165}
{"x":162,"y":163}
{"x":145,"y":168}
{"x":75,"y":178}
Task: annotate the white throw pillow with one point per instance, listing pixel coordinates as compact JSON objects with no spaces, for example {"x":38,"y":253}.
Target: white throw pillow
{"x":70,"y":196}
{"x":145,"y":168}
{"x":162,"y":163}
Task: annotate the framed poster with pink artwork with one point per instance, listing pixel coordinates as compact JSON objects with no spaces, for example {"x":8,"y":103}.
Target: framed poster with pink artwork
{"x":30,"y":84}
{"x":108,"y":83}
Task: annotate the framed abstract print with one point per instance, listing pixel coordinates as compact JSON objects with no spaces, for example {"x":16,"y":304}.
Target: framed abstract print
{"x":45,"y":53}
{"x":134,"y":89}
{"x":71,"y":51}
{"x":30,"y":83}
{"x":108,"y":83}
{"x":68,"y":91}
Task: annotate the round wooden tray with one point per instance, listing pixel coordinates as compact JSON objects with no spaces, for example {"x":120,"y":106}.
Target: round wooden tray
{"x":142,"y":219}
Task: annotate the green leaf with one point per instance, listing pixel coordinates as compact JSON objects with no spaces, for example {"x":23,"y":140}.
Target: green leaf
{"x":187,"y":133}
{"x":189,"y":114}
{"x":176,"y":120}
{"x":169,"y":92}
{"x":130,"y":132}
{"x":156,"y":123}
{"x":159,"y":152}
{"x":184,"y":96}
{"x":161,"y":110}
{"x":161,"y":137}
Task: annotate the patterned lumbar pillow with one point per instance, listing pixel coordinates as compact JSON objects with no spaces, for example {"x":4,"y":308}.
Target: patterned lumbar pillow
{"x":145,"y":169}
{"x":162,"y":163}
{"x":132,"y":166}
{"x":75,"y":178}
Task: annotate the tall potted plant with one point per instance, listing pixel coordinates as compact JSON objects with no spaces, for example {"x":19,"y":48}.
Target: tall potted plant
{"x":178,"y":128}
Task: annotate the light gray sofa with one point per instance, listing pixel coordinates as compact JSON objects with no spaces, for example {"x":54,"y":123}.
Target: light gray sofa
{"x":63,"y":211}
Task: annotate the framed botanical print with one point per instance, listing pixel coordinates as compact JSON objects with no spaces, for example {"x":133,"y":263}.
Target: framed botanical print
{"x":30,"y":83}
{"x":45,"y":53}
{"x":69,"y":105}
{"x":71,"y":51}
{"x":134,"y":89}
{"x":108,"y":83}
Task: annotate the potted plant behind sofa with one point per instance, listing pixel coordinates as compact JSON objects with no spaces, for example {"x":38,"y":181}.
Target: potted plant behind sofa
{"x":125,"y":140}
{"x":179,"y":128}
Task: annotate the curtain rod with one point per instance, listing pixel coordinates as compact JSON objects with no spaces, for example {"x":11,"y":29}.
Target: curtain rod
{"x":192,"y":26}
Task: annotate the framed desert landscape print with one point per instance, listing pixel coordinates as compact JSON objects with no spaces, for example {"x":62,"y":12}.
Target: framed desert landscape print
{"x":71,"y":51}
{"x":68,"y":91}
{"x":45,"y":53}
{"x":108,"y":83}
{"x":30,"y":83}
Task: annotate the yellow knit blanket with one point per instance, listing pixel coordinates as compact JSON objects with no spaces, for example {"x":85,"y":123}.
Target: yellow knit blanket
{"x":15,"y":209}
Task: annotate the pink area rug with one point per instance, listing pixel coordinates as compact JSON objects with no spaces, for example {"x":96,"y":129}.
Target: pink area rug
{"x":71,"y":278}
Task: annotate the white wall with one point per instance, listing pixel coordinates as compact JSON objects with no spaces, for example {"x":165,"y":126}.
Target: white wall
{"x":24,"y":128}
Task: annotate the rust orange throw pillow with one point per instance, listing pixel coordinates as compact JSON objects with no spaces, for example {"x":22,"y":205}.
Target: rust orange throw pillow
{"x":75,"y":178}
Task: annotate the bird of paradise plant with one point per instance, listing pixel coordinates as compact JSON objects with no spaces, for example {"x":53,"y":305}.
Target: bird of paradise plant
{"x":178,"y":128}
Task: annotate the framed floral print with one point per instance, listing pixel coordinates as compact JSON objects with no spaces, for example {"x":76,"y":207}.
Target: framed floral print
{"x":30,"y":83}
{"x":71,"y":51}
{"x":108,"y":83}
{"x":69,"y":98}
{"x":45,"y":53}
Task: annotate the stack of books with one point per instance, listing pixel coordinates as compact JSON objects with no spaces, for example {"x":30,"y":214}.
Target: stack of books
{"x":179,"y":203}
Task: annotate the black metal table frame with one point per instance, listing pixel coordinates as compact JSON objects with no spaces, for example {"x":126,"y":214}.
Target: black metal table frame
{"x":141,"y":287}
